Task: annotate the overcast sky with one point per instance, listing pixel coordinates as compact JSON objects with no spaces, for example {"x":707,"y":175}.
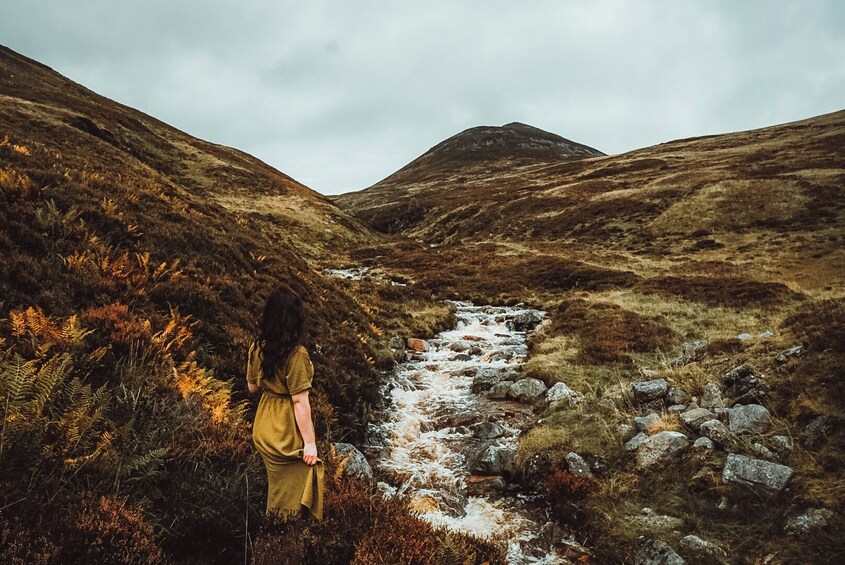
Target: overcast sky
{"x":341,"y":94}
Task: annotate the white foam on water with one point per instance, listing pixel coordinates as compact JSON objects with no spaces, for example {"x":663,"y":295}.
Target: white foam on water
{"x":426,"y":454}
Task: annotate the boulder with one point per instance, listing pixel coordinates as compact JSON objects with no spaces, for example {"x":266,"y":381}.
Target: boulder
{"x":648,"y":391}
{"x":352,"y":462}
{"x":527,"y":390}
{"x":743,"y":336}
{"x":500,"y":390}
{"x":577,"y":465}
{"x":782,"y":445}
{"x":703,"y":444}
{"x":561,"y":396}
{"x":784,"y":355}
{"x":459,"y":345}
{"x":495,"y":459}
{"x":656,"y":552}
{"x":763,"y":452}
{"x":660,"y":448}
{"x":771,"y":477}
{"x":749,"y":419}
{"x":417,"y":344}
{"x":525,"y":320}
{"x":626,"y":431}
{"x":808,"y":521}
{"x":677,"y":396}
{"x":643,"y":423}
{"x":397,"y":342}
{"x":692,"y":350}
{"x":743,"y":382}
{"x":702,"y":549}
{"x":715,"y":430}
{"x":766,"y":334}
{"x":711,"y":398}
{"x":657,"y":523}
{"x":486,"y":430}
{"x":695,"y":417}
{"x":635,"y":442}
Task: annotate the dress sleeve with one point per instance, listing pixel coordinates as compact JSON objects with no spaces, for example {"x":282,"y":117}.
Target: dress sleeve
{"x":253,"y":365}
{"x":301,"y":372}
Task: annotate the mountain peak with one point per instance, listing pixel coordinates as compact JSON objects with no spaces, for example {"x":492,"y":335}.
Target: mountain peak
{"x":514,"y":141}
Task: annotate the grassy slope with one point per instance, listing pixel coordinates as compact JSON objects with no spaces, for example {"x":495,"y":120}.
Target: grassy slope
{"x":135,"y":262}
{"x":698,"y":239}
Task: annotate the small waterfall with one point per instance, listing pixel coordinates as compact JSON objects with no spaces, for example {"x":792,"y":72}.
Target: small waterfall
{"x":427,"y":440}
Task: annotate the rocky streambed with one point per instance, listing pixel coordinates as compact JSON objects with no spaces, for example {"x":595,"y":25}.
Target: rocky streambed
{"x":447,"y":434}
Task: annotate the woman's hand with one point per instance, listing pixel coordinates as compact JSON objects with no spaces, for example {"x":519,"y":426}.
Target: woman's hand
{"x":309,"y":453}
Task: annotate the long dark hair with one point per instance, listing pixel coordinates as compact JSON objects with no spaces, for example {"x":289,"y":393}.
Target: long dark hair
{"x":282,"y":329}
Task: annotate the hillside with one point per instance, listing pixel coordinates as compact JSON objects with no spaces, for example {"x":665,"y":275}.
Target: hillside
{"x":713,"y":267}
{"x":136,"y":259}
{"x":441,"y":173}
{"x":771,"y":197}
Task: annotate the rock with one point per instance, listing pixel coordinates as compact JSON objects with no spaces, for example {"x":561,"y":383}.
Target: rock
{"x":635,"y":442}
{"x":461,"y":357}
{"x":459,"y":346}
{"x":677,"y":396}
{"x":784,"y":355}
{"x":486,"y":430}
{"x":816,"y":431}
{"x":475,"y":350}
{"x":677,"y":408}
{"x":577,"y":465}
{"x":527,"y":390}
{"x":485,"y":485}
{"x":744,"y":383}
{"x":763,"y":452}
{"x":806,"y":522}
{"x":397,"y":342}
{"x":483,"y":382}
{"x":626,"y":431}
{"x":660,"y":448}
{"x":495,"y":459}
{"x":744,"y":336}
{"x":772,"y":477}
{"x":417,"y":344}
{"x":704,"y":478}
{"x":643,"y":423}
{"x":711,"y":398}
{"x":500,"y":390}
{"x":703,"y":444}
{"x":647,"y":391}
{"x":692,"y":350}
{"x":782,"y":445}
{"x":765,"y":334}
{"x":352,"y":462}
{"x":561,"y":396}
{"x":656,"y":552}
{"x":749,"y":419}
{"x":657,"y":523}
{"x":702,"y":549}
{"x":695,"y":417}
{"x":525,"y":320}
{"x":715,"y":430}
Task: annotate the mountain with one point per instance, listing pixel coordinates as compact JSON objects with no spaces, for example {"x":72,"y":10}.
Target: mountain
{"x":449,"y":165}
{"x":773,"y":193}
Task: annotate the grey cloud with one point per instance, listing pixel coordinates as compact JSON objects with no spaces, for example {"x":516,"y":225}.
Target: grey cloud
{"x":341,"y":94}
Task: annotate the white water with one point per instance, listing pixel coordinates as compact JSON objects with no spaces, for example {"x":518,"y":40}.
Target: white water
{"x":423,"y":435}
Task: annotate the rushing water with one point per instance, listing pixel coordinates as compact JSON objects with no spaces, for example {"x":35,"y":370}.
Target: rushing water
{"x":426,"y":442}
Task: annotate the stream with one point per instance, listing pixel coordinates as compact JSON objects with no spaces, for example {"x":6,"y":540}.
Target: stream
{"x":442,"y":443}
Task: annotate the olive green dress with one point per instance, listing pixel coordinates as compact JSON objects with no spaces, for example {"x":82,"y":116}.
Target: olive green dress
{"x":292,"y":484}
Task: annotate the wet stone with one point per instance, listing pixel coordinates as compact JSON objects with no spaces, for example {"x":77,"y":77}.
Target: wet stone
{"x":486,"y":430}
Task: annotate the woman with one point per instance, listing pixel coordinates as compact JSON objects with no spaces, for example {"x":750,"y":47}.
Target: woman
{"x":278,"y":366}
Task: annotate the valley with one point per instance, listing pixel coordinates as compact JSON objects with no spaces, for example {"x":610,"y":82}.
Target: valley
{"x":692,"y":298}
